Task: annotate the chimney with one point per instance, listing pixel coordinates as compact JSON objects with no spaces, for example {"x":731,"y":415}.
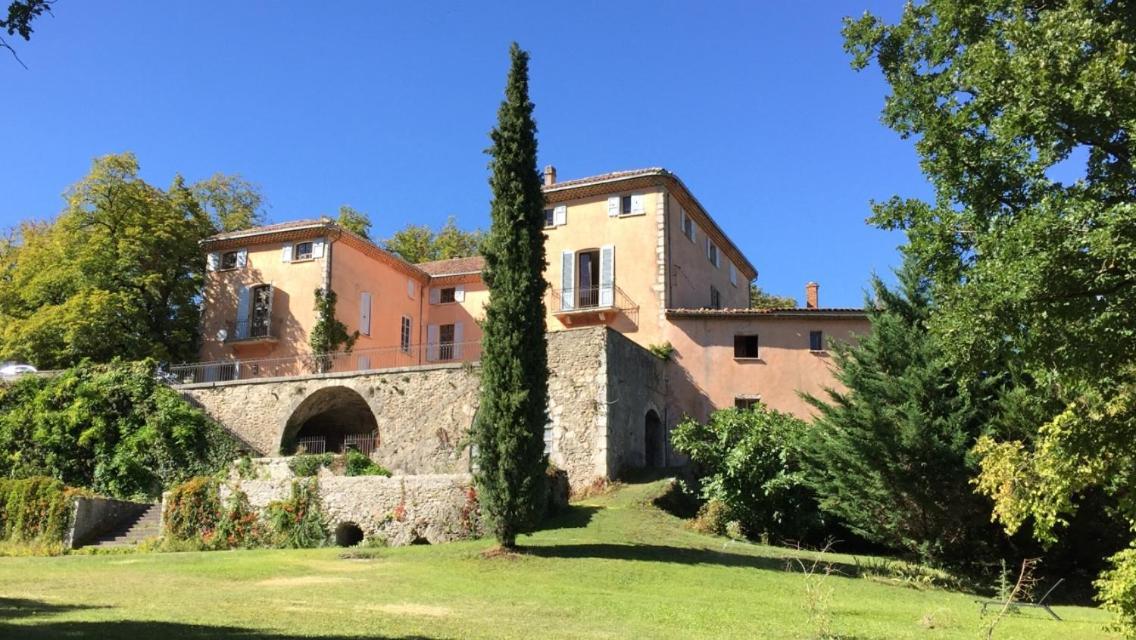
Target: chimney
{"x":811,"y":295}
{"x":549,"y":175}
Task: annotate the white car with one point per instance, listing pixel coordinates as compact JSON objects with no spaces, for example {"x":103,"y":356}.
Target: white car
{"x":16,"y":370}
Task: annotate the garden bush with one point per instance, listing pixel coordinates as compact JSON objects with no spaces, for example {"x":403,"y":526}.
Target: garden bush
{"x":747,"y":464}
{"x":359,"y":464}
{"x":112,"y":427}
{"x":306,"y":465}
{"x":35,"y":510}
{"x":298,"y":522}
{"x":193,"y":510}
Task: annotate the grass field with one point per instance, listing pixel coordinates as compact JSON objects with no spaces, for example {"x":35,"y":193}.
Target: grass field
{"x":615,"y":567}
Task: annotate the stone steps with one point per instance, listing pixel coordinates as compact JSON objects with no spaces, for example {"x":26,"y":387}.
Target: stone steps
{"x":135,"y":530}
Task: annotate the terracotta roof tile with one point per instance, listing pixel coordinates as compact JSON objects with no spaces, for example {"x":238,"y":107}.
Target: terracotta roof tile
{"x":605,"y":177}
{"x":270,"y":228}
{"x":757,"y":313}
{"x":454,"y":266}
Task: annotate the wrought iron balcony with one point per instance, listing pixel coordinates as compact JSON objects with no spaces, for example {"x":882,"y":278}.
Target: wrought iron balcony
{"x":588,"y":304}
{"x":252,"y":330}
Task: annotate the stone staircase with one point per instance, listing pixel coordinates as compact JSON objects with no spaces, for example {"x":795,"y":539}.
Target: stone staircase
{"x":133,"y":530}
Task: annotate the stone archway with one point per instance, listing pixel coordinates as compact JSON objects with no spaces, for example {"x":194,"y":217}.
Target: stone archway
{"x":329,"y":421}
{"x":653,"y":443}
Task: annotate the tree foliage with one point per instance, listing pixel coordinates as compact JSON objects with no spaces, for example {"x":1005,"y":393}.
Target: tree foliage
{"x":113,"y":428}
{"x":759,"y":299}
{"x":419,"y":243}
{"x":354,"y":220}
{"x":889,"y":455}
{"x":21,"y":13}
{"x":1006,"y":99}
{"x":119,"y":272}
{"x":514,"y":362}
{"x":749,"y":465}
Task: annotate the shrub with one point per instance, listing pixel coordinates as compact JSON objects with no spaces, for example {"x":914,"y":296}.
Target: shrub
{"x":747,"y":462}
{"x":307,"y":465}
{"x":193,"y":511}
{"x":111,"y":427}
{"x":662,"y":350}
{"x":1117,"y":590}
{"x":298,"y":522}
{"x":359,"y":464}
{"x":35,"y":511}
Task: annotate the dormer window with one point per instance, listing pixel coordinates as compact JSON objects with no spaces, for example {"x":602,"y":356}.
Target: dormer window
{"x":302,"y":251}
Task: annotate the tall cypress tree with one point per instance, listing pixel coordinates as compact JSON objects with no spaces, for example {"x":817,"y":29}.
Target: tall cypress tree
{"x":514,"y":359}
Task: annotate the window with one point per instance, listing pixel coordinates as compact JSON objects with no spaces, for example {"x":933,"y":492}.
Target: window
{"x":302,"y":251}
{"x":746,"y":404}
{"x":549,"y":218}
{"x":625,"y":205}
{"x":687,"y":226}
{"x":228,"y":260}
{"x":404,"y":335}
{"x":446,"y":295}
{"x":712,"y":253}
{"x":446,"y":342}
{"x":733,"y":275}
{"x":715,"y":298}
{"x":816,"y":341}
{"x":261,"y":317}
{"x":745,"y":346}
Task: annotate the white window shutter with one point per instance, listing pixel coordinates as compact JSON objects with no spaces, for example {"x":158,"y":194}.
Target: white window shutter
{"x":365,"y":313}
{"x":435,"y":295}
{"x":693,"y":231}
{"x":410,"y":288}
{"x":212,"y":261}
{"x":560,"y":216}
{"x":364,"y":363}
{"x":613,"y":206}
{"x":707,"y":247}
{"x":459,"y":293}
{"x":242,"y":313}
{"x":317,"y":249}
{"x":567,"y":280}
{"x":637,"y":203}
{"x":286,"y":253}
{"x":242,"y":258}
{"x":733,"y":275}
{"x":607,"y":275}
{"x":457,"y":340}
{"x":432,"y":342}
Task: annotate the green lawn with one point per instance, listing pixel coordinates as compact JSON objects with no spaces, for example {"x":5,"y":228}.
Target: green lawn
{"x":615,"y":567}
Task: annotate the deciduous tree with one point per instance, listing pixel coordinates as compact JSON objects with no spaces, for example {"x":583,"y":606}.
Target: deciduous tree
{"x":419,"y":243}
{"x":514,"y":362}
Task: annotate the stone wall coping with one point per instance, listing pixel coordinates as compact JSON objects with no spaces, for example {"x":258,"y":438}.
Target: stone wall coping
{"x":333,"y":375}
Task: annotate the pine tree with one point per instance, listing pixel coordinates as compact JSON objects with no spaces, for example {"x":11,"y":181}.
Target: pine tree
{"x":890,"y":456}
{"x":514,"y":361}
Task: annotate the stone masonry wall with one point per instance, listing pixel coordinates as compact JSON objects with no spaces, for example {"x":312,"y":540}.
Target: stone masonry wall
{"x":636,"y":384}
{"x":401,"y":509}
{"x":424,"y":414}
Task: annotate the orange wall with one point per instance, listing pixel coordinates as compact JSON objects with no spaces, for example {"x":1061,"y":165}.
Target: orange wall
{"x":354,"y":273}
{"x":692,"y":273}
{"x":635,"y":238}
{"x":469,"y":312}
{"x":292,"y":304}
{"x":707,"y":375}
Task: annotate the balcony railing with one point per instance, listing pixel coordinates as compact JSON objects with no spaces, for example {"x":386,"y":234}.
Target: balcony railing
{"x":365,"y":443}
{"x":598,"y":298}
{"x":340,"y":362}
{"x":261,"y":329}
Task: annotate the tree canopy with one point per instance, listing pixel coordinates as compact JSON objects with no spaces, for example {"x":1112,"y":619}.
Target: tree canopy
{"x":419,"y":243}
{"x":760,"y":299}
{"x":21,"y":13}
{"x":1023,"y":116}
{"x":354,"y":220}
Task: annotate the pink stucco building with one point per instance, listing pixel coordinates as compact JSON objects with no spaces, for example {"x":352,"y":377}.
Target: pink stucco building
{"x":632,"y":250}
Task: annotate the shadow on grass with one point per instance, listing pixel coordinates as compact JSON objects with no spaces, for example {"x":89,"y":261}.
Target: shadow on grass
{"x":677,"y":555}
{"x":573,"y":517}
{"x":11,"y":608}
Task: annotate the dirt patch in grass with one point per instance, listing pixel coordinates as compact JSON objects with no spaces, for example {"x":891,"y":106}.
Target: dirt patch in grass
{"x":502,"y":553}
{"x":300,"y":581}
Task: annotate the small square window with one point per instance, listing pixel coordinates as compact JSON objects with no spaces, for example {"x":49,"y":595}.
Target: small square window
{"x":446,"y":295}
{"x":303,"y":251}
{"x":816,"y":341}
{"x":625,"y":205}
{"x":715,"y":298}
{"x":745,"y":346}
{"x":228,"y":260}
{"x":549,"y":218}
{"x":746,"y":404}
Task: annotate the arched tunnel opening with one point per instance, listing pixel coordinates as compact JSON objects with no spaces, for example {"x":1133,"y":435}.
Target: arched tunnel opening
{"x":348,"y":534}
{"x":331,"y":420}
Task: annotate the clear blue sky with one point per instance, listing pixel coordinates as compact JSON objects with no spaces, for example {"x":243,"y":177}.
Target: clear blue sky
{"x":387,"y":107}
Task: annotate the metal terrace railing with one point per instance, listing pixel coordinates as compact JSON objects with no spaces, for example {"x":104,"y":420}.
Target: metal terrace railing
{"x":340,"y":362}
{"x":599,"y":298}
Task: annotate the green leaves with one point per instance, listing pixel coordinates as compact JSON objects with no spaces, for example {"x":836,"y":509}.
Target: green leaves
{"x":419,"y":243}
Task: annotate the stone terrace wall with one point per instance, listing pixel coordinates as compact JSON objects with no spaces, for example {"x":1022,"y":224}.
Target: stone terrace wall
{"x":637,"y":384}
{"x":402,"y":509}
{"x":424,"y":413}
